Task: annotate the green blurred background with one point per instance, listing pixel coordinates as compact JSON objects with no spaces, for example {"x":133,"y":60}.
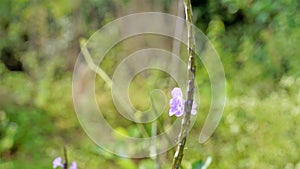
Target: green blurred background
{"x":258,"y":43}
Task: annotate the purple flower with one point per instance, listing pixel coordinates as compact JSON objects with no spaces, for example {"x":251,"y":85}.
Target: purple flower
{"x":177,"y":104}
{"x":194,"y":108}
{"x":74,"y":165}
{"x":57,"y":162}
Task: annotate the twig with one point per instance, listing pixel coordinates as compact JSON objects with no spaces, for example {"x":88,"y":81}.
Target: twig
{"x":190,"y":89}
{"x":94,"y":67}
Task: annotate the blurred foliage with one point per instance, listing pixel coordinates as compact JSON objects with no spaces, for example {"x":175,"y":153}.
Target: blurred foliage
{"x":258,"y":43}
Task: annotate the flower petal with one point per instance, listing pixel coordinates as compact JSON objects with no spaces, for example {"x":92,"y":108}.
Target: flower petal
{"x":57,"y":162}
{"x":176,"y":92}
{"x":178,"y":113}
{"x":171,"y":112}
{"x":74,"y":165}
{"x":176,"y":106}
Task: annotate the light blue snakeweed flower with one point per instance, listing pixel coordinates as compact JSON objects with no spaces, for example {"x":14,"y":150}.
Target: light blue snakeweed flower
{"x":74,"y":165}
{"x":57,"y":162}
{"x":177,"y":103}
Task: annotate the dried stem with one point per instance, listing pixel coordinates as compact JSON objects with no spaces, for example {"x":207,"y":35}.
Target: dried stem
{"x":190,"y":89}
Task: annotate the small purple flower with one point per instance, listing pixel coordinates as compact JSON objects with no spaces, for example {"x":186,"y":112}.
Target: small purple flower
{"x":74,"y":165}
{"x":58,"y":162}
{"x":194,"y":108}
{"x":177,"y":104}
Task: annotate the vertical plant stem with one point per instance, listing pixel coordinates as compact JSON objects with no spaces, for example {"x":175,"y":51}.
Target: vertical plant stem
{"x":190,"y":88}
{"x":66,"y":158}
{"x":153,"y":148}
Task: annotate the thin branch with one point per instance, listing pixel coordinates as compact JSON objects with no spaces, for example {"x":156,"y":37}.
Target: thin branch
{"x":190,"y":89}
{"x":88,"y":58}
{"x":94,"y":67}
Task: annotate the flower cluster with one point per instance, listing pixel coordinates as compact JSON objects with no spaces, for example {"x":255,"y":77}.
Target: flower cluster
{"x":177,"y":104}
{"x":57,"y":162}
